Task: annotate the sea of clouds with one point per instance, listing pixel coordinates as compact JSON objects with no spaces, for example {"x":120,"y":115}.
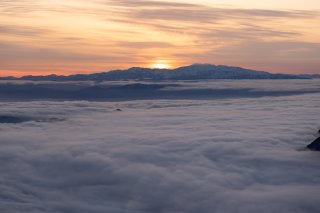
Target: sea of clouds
{"x":231,"y":155}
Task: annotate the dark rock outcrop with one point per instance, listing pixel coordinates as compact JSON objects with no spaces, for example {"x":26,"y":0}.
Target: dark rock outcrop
{"x":315,"y":145}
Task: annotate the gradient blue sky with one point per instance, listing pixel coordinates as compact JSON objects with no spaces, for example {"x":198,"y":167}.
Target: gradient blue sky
{"x":77,"y":36}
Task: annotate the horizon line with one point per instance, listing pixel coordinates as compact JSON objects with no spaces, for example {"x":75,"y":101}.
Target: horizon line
{"x":153,"y":68}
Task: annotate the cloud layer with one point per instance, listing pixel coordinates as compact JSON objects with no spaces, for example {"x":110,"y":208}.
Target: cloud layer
{"x":222,"y":155}
{"x":135,"y":90}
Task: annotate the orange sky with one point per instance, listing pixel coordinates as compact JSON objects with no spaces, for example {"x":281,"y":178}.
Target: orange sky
{"x":41,"y":37}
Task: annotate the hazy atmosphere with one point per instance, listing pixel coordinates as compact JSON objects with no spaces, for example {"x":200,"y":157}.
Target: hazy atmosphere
{"x":41,"y":37}
{"x":158,"y":106}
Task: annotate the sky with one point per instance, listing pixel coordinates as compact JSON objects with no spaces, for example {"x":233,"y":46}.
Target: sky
{"x":41,"y":37}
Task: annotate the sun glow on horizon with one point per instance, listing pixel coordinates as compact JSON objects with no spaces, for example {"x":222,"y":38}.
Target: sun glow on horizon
{"x":83,"y":36}
{"x":161,"y":64}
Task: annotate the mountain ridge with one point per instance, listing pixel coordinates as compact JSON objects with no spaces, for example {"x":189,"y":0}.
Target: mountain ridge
{"x":192,"y":72}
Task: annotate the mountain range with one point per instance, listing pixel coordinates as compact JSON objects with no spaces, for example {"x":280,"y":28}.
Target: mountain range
{"x":192,"y":72}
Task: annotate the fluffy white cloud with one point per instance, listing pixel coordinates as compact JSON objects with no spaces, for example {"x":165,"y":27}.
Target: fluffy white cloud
{"x":221,"y":155}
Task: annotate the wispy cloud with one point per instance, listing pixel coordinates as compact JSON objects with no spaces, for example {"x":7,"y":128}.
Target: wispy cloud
{"x":16,"y":30}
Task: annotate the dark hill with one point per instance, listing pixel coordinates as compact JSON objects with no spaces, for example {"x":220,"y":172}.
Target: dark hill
{"x":193,"y":72}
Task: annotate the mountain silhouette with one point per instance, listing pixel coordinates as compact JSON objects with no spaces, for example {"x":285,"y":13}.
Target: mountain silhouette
{"x":192,"y":72}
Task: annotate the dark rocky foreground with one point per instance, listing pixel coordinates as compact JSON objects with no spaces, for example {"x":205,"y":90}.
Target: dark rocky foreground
{"x":315,"y":145}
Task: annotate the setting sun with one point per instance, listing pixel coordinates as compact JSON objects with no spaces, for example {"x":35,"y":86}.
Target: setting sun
{"x":162,"y":64}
